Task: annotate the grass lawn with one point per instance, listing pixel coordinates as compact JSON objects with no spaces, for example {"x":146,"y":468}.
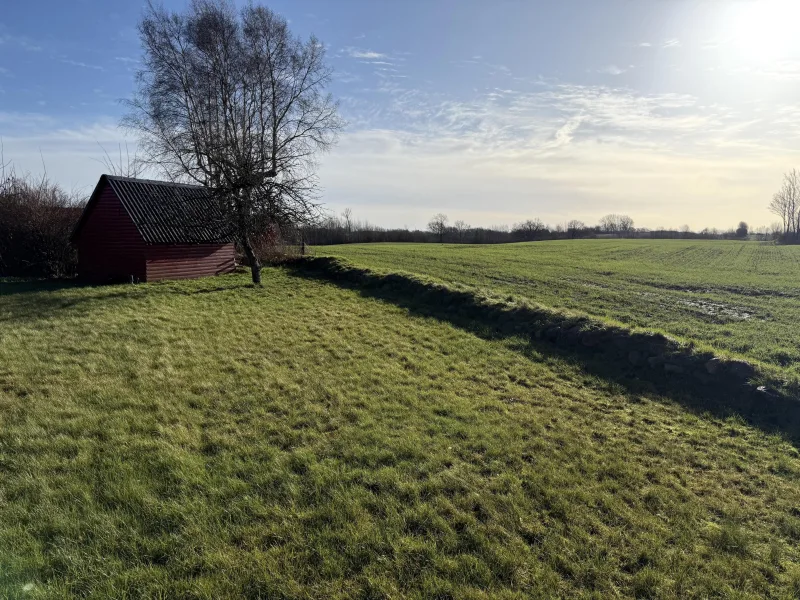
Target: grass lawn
{"x":736,"y":297}
{"x":207,"y":439}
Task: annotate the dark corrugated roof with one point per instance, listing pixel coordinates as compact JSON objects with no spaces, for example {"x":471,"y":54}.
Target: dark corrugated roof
{"x":171,"y":213}
{"x":164,"y":212}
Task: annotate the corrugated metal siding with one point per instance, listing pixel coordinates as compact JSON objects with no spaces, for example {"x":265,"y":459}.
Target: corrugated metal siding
{"x":186,"y":261}
{"x":110,"y":248}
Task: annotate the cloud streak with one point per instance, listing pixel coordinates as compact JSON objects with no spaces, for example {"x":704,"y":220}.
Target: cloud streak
{"x":364,"y":54}
{"x":83,"y":65}
{"x":20,"y":41}
{"x":613,"y":70}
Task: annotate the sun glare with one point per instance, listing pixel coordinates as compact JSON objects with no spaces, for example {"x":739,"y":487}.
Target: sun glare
{"x":764,"y":30}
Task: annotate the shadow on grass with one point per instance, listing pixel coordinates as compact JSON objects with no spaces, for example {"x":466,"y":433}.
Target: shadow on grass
{"x":13,"y":286}
{"x":34,"y":300}
{"x":642,"y":363}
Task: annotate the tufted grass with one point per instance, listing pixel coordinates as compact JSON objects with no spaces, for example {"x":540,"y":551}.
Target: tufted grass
{"x":207,"y":439}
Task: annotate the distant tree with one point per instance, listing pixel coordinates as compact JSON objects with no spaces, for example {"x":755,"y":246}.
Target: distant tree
{"x":438,"y":225}
{"x":617,"y":224}
{"x":461,"y":228}
{"x":575,"y":228}
{"x":742,"y":230}
{"x":531,"y":229}
{"x":347,"y":218}
{"x":609,"y":224}
{"x":233,"y":101}
{"x":625,"y":224}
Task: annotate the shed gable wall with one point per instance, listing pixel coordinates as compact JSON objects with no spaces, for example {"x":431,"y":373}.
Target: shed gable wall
{"x":109,"y":245}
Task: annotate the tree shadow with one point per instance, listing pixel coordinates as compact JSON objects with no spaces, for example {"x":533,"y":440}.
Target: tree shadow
{"x":643,"y":363}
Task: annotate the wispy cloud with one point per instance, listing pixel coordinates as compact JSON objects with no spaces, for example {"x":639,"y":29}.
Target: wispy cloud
{"x":787,"y":70}
{"x":70,"y":149}
{"x":490,"y":67}
{"x":21,"y":41}
{"x":614,"y":70}
{"x":345,"y":77}
{"x":672,"y":43}
{"x":363,"y":54}
{"x":645,"y":45}
{"x":83,"y":65}
{"x":564,"y":135}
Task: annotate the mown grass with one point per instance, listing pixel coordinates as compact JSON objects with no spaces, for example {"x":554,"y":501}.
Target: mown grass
{"x":208,"y":439}
{"x":741,"y":298}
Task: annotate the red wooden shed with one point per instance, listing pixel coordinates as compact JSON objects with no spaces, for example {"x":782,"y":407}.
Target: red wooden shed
{"x":150,"y":230}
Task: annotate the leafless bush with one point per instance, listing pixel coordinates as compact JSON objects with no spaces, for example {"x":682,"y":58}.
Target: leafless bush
{"x":36,"y":220}
{"x":276,"y":245}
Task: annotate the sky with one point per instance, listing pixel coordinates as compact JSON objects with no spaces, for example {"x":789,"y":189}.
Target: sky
{"x":675,"y":112}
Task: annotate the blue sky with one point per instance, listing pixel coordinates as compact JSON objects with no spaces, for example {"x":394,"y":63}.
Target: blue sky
{"x":674,"y":112}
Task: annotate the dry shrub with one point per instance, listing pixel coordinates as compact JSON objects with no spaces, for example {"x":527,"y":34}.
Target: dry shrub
{"x":36,"y":220}
{"x":276,"y":244}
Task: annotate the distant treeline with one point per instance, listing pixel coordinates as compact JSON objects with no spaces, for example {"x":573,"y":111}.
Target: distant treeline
{"x":37,"y":217}
{"x":346,"y":230}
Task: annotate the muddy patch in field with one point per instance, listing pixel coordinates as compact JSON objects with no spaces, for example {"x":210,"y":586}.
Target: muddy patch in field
{"x":741,"y":291}
{"x":588,"y":284}
{"x":718,"y":309}
{"x":709,"y":308}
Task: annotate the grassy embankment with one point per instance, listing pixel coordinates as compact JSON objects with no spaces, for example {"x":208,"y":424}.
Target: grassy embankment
{"x":741,"y":298}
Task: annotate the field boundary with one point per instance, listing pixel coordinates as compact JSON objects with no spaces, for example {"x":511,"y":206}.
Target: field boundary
{"x":643,"y":361}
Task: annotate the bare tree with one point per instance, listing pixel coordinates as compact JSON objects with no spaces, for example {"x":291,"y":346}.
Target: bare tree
{"x":235,"y":102}
{"x":618,"y":224}
{"x":575,"y":227}
{"x":438,"y":225}
{"x":529,"y":230}
{"x":625,"y":224}
{"x":786,"y":204}
{"x":609,"y":224}
{"x":347,"y":217}
{"x":461,"y":228}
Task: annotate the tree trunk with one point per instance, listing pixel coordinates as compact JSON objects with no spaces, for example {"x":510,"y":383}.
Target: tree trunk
{"x":255,"y":264}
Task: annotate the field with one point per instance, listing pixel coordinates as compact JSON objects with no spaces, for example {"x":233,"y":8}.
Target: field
{"x":307,"y":439}
{"x":741,"y":298}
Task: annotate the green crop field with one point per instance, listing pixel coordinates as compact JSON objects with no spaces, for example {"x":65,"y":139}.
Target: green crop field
{"x":310,"y":439}
{"x":736,"y":297}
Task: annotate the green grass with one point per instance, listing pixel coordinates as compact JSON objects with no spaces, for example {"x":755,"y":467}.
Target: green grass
{"x":741,"y":298}
{"x":208,"y":439}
